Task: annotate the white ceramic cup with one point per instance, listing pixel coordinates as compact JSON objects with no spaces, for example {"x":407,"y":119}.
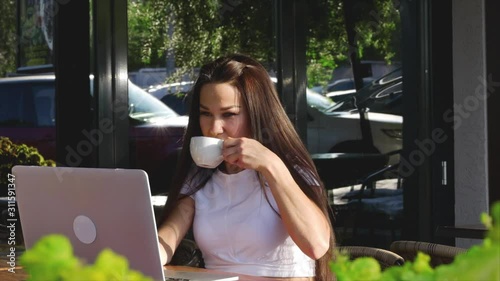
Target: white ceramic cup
{"x":206,"y":151}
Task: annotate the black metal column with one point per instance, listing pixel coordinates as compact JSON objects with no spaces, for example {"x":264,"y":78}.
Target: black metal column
{"x":74,"y":120}
{"x":110,"y":82}
{"x":493,"y":102}
{"x":291,"y":57}
{"x":427,"y":139}
{"x":416,"y":184}
{"x":438,"y":144}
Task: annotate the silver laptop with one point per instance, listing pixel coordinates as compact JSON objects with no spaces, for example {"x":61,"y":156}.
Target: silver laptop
{"x":96,"y":208}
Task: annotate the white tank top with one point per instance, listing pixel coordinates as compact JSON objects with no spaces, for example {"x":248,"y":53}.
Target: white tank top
{"x":238,"y":231}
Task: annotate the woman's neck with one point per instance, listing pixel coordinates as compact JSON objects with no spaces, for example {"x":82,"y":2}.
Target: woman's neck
{"x":230,"y":169}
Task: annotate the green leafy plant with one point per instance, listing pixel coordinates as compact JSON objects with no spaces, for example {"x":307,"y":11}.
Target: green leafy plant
{"x":480,"y":262}
{"x":12,"y":154}
{"x":52,"y":258}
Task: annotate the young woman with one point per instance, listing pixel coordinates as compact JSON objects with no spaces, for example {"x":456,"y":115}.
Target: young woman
{"x":264,"y":210}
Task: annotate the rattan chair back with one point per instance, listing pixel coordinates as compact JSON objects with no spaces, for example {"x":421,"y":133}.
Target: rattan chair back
{"x":385,"y":258}
{"x":440,"y":254}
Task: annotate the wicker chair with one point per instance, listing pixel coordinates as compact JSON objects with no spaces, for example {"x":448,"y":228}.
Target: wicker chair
{"x":384,"y":257}
{"x":440,"y":254}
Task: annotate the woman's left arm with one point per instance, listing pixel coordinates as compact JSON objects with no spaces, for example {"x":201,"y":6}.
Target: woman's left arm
{"x":303,"y":219}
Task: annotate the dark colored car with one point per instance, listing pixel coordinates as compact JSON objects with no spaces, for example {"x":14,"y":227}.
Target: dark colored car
{"x":340,"y":89}
{"x":383,"y":95}
{"x":27,"y":115}
{"x":343,"y":88}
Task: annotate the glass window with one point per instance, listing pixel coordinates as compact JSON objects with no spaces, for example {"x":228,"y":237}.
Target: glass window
{"x":145,"y":107}
{"x":16,"y":109}
{"x":348,"y":40}
{"x":168,"y":42}
{"x":44,"y":106}
{"x":340,"y":36}
{"x":27,"y":118}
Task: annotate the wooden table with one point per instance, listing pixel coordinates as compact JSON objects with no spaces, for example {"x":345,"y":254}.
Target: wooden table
{"x":11,"y":274}
{"x":17,"y":273}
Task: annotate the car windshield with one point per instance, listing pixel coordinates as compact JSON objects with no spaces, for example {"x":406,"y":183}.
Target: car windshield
{"x":341,"y":85}
{"x":315,"y":100}
{"x":146,"y":108}
{"x":396,"y":74}
{"x":364,"y":97}
{"x":366,"y":94}
{"x":142,"y":106}
{"x":319,"y":101}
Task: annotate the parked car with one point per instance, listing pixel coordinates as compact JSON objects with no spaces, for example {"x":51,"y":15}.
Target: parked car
{"x":342,"y":88}
{"x":27,"y":115}
{"x":340,"y":131}
{"x":383,"y":95}
{"x":173,"y":95}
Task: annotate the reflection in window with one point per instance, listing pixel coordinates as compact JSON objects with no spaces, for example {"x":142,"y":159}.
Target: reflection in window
{"x":350,"y":41}
{"x":44,"y":106}
{"x":170,"y":40}
{"x":16,"y":108}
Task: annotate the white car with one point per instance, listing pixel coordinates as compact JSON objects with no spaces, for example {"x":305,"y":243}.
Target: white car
{"x":173,"y":95}
{"x":340,"y":131}
{"x":343,"y":88}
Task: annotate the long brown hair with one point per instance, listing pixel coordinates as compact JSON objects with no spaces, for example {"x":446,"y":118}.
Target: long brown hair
{"x":269,"y":125}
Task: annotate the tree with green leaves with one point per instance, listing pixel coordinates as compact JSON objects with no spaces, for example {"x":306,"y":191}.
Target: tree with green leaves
{"x":374,"y":26}
{"x":8,"y":36}
{"x":194,"y":32}
{"x":187,"y":34}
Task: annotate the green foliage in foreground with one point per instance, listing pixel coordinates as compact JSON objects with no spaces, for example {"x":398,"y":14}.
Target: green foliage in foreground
{"x":480,"y":262}
{"x":52,"y":258}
